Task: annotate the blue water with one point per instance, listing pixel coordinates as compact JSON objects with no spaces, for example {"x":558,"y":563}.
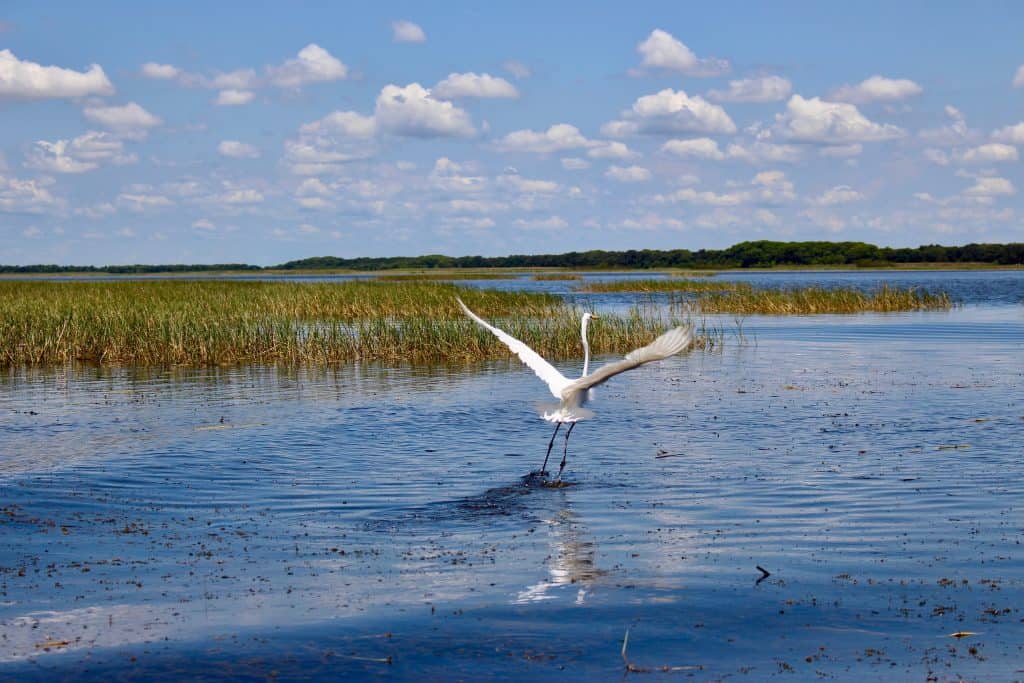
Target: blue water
{"x":373,"y":521}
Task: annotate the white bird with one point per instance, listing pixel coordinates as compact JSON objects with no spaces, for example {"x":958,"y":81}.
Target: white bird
{"x":574,"y":393}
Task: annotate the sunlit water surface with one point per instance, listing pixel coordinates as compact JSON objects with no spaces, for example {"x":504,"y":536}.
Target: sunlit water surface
{"x":374,"y":521}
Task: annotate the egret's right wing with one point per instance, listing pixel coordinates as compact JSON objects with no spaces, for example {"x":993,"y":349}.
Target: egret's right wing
{"x":669,"y":344}
{"x":555,"y":380}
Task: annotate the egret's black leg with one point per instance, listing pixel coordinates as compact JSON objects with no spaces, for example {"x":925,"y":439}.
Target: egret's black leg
{"x":565,"y":452}
{"x":543,"y":468}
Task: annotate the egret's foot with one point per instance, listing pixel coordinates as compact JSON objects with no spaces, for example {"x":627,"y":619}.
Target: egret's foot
{"x":557,"y":484}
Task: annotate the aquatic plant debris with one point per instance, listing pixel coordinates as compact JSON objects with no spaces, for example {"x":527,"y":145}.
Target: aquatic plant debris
{"x":633,"y":668}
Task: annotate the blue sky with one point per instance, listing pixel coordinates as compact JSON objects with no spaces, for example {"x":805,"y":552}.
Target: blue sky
{"x":210,"y":132}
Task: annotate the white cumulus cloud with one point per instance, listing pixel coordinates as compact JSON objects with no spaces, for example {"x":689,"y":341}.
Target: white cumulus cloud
{"x":550,"y":223}
{"x":763,"y":89}
{"x":160,"y":72}
{"x":876,"y":89}
{"x":762,"y":152}
{"x":409,"y":111}
{"x":344,"y":123}
{"x":953,"y":133}
{"x":403,"y":31}
{"x":990,"y":186}
{"x":234,"y":98}
{"x":237,"y":150}
{"x":833,"y":123}
{"x":529,"y":185}
{"x":412,"y":111}
{"x":695,"y":148}
{"x":129,"y":120}
{"x":610,"y":150}
{"x":457,"y":86}
{"x":992,"y":152}
{"x":756,"y":152}
{"x":1018,"y":79}
{"x":708,"y":198}
{"x":840,"y":194}
{"x":575,"y":164}
{"x":628,"y":174}
{"x":558,"y":137}
{"x":22,"y":79}
{"x":81,"y":154}
{"x":1010,"y":134}
{"x":313,"y":64}
{"x":672,"y":111}
{"x":26,"y":196}
{"x":516,"y":68}
{"x":661,"y":50}
{"x":322,"y":155}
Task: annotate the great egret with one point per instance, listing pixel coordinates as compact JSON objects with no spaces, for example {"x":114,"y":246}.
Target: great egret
{"x":573,"y":394}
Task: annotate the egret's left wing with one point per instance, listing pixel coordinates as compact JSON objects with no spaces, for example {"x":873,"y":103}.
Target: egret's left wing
{"x":555,"y":380}
{"x":672,"y":342}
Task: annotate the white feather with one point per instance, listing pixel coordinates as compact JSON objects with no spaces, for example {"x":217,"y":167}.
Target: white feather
{"x":555,"y":380}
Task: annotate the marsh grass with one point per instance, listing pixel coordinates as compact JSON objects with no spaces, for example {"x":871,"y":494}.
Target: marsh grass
{"x":430,"y":277}
{"x":217,"y":323}
{"x":749,"y":300}
{"x":651,"y":286}
{"x":723,"y":296}
{"x":546,"y":277}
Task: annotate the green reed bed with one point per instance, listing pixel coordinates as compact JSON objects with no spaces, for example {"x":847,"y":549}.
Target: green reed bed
{"x":816,"y":300}
{"x":217,"y":322}
{"x":627,"y":285}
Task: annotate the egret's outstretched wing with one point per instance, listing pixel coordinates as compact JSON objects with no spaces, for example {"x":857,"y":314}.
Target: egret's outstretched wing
{"x":555,"y":380}
{"x":669,"y":344}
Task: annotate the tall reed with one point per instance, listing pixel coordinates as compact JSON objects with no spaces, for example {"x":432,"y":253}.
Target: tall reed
{"x":547,"y":277}
{"x":644,"y":286}
{"x":816,"y":300}
{"x":447,"y":275}
{"x":224,"y":322}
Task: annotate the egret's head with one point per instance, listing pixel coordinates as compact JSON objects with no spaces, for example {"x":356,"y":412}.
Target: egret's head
{"x":590,"y":316}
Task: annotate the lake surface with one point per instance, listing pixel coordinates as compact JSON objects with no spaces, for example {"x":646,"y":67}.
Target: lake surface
{"x":375,"y":521}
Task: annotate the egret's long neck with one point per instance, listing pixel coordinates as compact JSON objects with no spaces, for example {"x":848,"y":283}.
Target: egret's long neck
{"x":586,"y":346}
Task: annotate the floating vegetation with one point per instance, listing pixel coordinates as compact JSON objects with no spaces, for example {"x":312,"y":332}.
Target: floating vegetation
{"x":544,"y":277}
{"x":747,"y":300}
{"x":650,"y":286}
{"x":427,"y":277}
{"x":224,"y":322}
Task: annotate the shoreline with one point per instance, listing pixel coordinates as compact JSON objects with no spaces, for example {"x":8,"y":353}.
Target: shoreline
{"x":456,"y":272}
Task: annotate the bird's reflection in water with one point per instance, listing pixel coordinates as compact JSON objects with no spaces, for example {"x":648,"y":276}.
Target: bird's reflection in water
{"x":529,"y":503}
{"x":572,"y":558}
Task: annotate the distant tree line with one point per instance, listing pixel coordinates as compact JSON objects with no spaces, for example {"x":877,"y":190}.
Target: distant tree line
{"x":138,"y":268}
{"x":760,"y":254}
